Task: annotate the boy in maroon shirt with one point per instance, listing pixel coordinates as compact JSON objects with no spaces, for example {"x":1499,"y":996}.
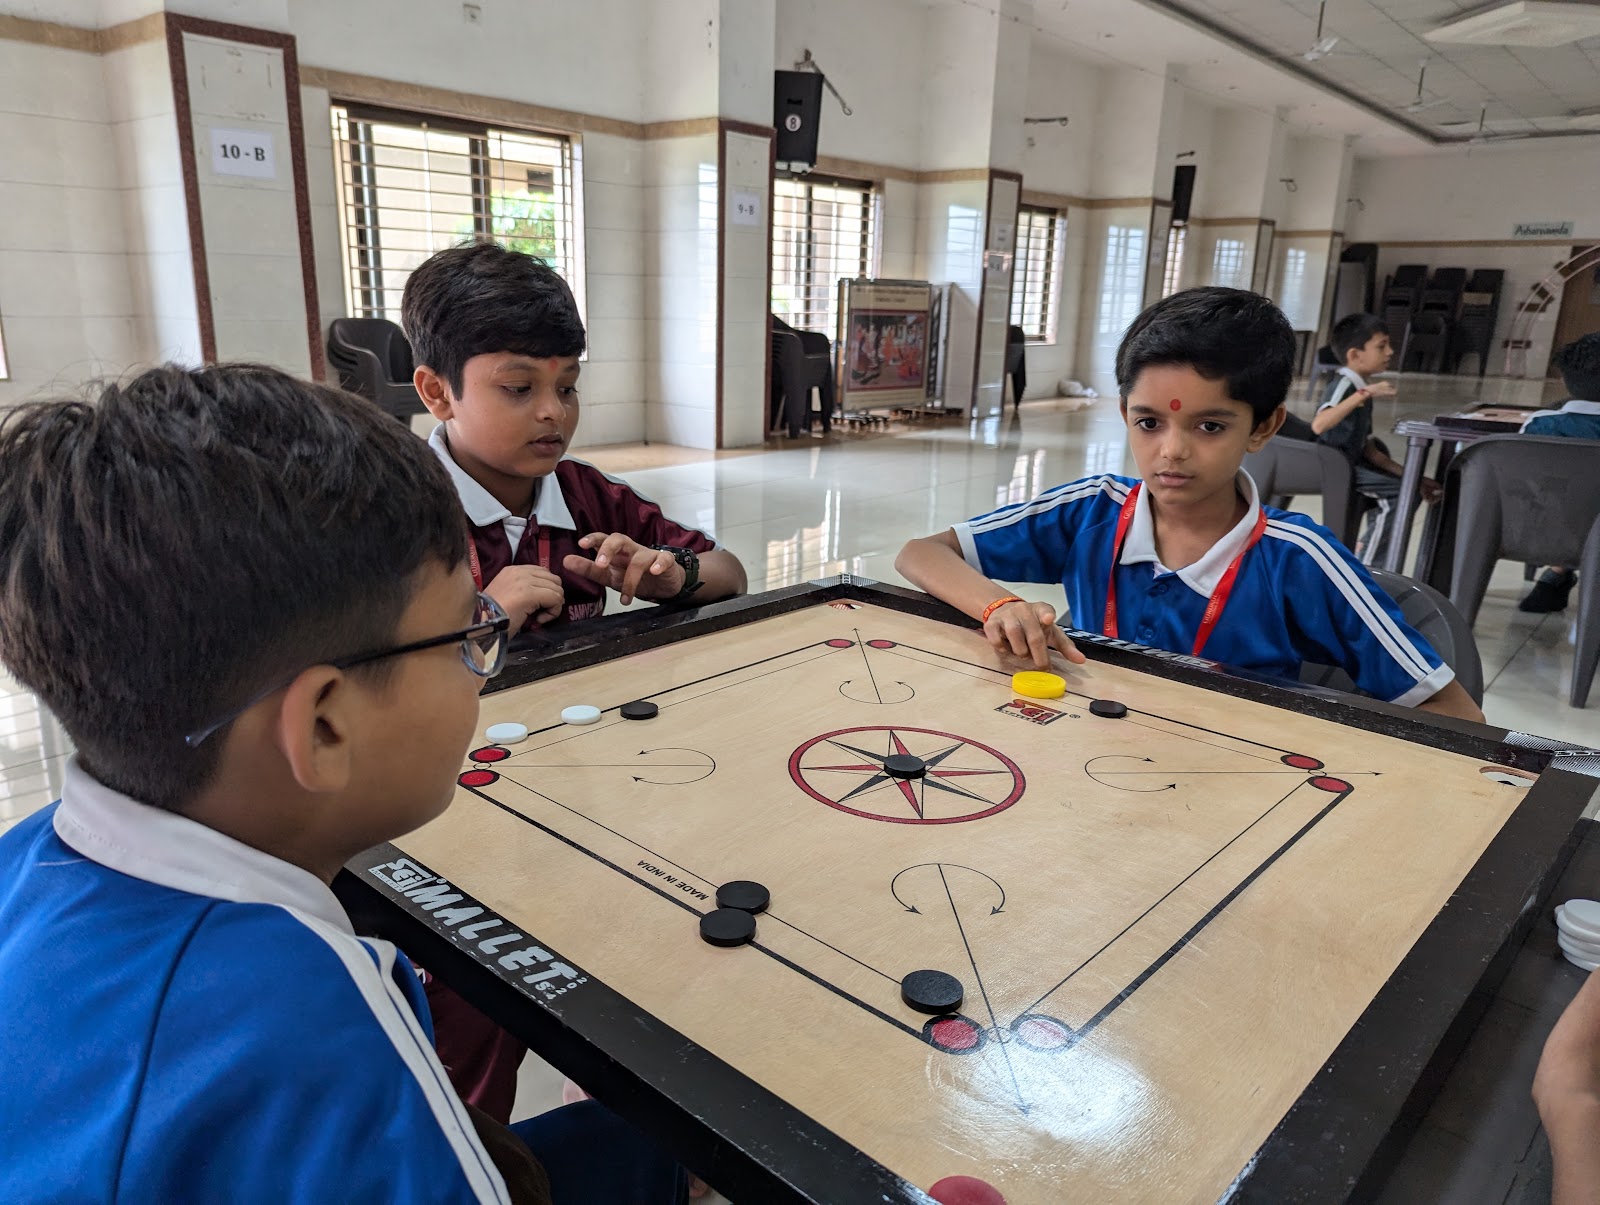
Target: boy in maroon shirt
{"x":496,"y":338}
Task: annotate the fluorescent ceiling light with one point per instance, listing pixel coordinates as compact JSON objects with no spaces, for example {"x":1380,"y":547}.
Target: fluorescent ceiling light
{"x":1523,"y":23}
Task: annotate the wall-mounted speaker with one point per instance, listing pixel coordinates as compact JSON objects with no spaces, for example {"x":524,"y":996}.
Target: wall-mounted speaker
{"x":796,"y":112}
{"x":1182,"y":191}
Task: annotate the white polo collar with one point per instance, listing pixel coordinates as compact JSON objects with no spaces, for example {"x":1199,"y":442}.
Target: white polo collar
{"x":173,"y":851}
{"x":1202,"y":576}
{"x":549,"y":509}
{"x":1353,"y":377}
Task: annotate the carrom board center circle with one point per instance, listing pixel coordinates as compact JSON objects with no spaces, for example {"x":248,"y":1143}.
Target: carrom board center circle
{"x":964,"y":779}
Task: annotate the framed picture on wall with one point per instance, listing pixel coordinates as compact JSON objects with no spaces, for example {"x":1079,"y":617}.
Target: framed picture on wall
{"x":885,"y":332}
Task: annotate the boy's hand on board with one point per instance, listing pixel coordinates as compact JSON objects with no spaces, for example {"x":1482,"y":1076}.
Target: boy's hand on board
{"x":1028,"y":630}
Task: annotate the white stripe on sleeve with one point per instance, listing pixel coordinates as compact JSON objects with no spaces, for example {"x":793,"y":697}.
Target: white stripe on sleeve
{"x":1344,"y":579}
{"x":1074,"y":491}
{"x":394,"y":1014}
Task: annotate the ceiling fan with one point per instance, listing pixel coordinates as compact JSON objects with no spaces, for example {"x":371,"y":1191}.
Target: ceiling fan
{"x":1419,"y":104}
{"x":1322,"y":47}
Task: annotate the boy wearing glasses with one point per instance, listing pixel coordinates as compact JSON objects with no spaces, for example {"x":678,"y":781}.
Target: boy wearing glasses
{"x":496,"y":337}
{"x":247,"y":600}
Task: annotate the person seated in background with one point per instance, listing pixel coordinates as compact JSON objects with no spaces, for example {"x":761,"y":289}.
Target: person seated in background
{"x":1185,"y":557}
{"x":246,"y":599}
{"x":1577,"y":418}
{"x":1344,"y":422}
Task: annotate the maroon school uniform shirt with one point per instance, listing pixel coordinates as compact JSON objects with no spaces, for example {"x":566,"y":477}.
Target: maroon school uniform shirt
{"x":570,"y":503}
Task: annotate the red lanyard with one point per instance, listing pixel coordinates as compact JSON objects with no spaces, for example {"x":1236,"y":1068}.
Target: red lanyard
{"x":1219,"y":597}
{"x":477,"y":569}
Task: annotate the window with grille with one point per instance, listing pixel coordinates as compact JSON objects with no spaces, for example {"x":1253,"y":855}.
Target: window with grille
{"x":1172,"y":274}
{"x":1122,"y":288}
{"x":1038,"y":264}
{"x":411,"y":185}
{"x":1291,"y":288}
{"x":822,"y":230}
{"x":1227,"y":264}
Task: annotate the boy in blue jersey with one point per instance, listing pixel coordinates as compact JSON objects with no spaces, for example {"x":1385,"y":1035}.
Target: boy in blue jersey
{"x":247,"y":600}
{"x":1578,"y":418}
{"x":1186,"y":558}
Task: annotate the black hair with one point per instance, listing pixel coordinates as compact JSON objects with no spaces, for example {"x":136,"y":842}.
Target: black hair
{"x":1228,"y":335}
{"x":480,"y":298}
{"x":1579,"y":365}
{"x":187,"y":538}
{"x":1353,"y":332}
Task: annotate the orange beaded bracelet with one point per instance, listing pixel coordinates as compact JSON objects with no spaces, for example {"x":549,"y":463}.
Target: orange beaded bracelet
{"x":996,"y":605}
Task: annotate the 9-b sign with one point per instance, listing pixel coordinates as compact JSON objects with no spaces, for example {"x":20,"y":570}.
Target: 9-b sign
{"x":243,"y":153}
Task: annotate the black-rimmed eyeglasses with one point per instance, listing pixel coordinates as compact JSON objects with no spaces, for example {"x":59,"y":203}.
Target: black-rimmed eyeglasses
{"x":483,"y":648}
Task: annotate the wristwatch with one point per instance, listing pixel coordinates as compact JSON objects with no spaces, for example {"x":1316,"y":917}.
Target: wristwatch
{"x":690,"y":564}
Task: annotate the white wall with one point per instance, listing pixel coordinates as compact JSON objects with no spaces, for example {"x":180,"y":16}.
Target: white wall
{"x":1477,"y":196}
{"x":1128,"y":123}
{"x":957,"y":87}
{"x":545,"y":52}
{"x":681,"y":207}
{"x":1478,"y":193}
{"x":1060,"y":158}
{"x":848,"y":38}
{"x":613,"y":382}
{"x":66,"y":302}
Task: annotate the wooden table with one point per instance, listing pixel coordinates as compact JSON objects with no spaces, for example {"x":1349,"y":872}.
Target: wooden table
{"x":1209,"y":949}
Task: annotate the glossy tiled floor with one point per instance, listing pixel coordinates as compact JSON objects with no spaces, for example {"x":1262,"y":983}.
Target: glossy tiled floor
{"x":812,"y":507}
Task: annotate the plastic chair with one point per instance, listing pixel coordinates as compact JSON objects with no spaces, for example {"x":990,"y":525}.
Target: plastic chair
{"x":372,"y":358}
{"x":1291,"y":464}
{"x":801,"y":361}
{"x":1519,"y":497}
{"x":1324,"y":366}
{"x":1588,"y":655}
{"x":1017,"y":363}
{"x":1425,"y":342}
{"x":1436,"y":620}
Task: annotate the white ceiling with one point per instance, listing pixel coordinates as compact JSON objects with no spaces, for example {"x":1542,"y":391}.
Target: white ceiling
{"x":1247,"y":52}
{"x":1380,"y":47}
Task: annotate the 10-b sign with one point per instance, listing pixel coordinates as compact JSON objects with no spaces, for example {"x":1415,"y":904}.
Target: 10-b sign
{"x":243,"y":153}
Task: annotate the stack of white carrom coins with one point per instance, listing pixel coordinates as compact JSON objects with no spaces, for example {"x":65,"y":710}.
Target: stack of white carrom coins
{"x":1578,"y":931}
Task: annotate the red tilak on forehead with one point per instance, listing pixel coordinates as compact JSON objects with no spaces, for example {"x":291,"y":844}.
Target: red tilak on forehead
{"x":1176,"y":404}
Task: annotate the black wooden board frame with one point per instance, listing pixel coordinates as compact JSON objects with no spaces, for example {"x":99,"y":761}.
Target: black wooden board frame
{"x":1338,"y":1140}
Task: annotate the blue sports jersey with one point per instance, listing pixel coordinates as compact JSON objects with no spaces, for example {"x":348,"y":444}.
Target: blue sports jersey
{"x":1575,"y":420}
{"x":1300,"y":595}
{"x":189,"y":1019}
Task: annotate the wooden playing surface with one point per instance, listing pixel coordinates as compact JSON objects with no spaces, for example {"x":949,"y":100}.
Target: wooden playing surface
{"x":1164,"y":924}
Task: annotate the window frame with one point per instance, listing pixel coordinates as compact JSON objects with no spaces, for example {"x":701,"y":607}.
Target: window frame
{"x":1177,"y":248}
{"x":1233,"y":261}
{"x":811,"y":290}
{"x":358,"y":202}
{"x":1127,"y":294}
{"x":1054,"y":222}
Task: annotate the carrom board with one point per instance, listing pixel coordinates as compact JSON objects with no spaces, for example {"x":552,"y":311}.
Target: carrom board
{"x":1207,"y":949}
